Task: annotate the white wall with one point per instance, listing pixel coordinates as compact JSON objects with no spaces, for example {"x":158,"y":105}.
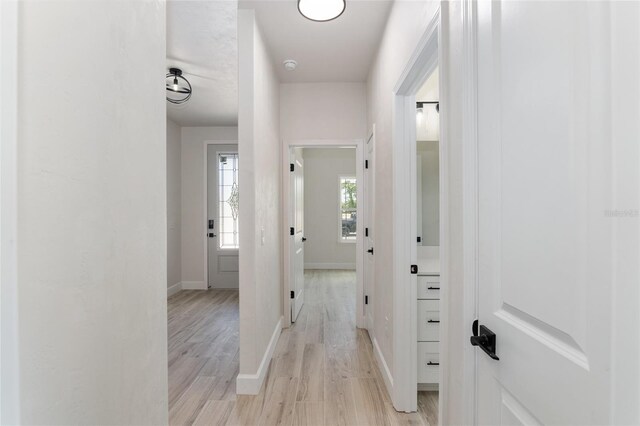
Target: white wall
{"x":261,"y":233}
{"x":9,"y":339}
{"x":407,"y":22}
{"x":193,"y":201}
{"x":92,"y":213}
{"x":323,"y":111}
{"x":174,"y":207}
{"x":323,"y":168}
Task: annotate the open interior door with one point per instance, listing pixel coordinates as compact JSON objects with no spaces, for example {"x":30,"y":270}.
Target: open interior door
{"x":369,"y":259}
{"x":297,"y":238}
{"x":545,"y":243}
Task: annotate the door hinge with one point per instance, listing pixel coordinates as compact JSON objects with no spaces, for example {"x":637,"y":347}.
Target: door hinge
{"x":419,"y":239}
{"x":366,"y":164}
{"x":414,"y":269}
{"x":366,"y":232}
{"x":366,"y":300}
{"x":291,"y":167}
{"x":292,"y":231}
{"x":293,"y":294}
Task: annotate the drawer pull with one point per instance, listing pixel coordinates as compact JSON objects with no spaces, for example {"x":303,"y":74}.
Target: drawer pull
{"x":434,"y":321}
{"x":433,"y":288}
{"x":433,"y":363}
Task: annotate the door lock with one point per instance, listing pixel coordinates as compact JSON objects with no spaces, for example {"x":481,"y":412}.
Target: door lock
{"x":485,"y":339}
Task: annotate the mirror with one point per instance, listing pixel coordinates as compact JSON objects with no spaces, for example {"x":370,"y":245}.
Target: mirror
{"x":428,"y":173}
{"x":428,"y":162}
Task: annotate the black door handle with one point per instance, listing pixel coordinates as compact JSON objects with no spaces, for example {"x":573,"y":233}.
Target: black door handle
{"x":433,"y":363}
{"x":485,"y":339}
{"x":304,"y":239}
{"x":434,"y":321}
{"x":370,"y":250}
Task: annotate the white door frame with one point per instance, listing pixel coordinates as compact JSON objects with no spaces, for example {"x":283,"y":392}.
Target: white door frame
{"x":425,"y":58}
{"x":9,"y":367}
{"x":358,"y":144}
{"x":205,"y":147}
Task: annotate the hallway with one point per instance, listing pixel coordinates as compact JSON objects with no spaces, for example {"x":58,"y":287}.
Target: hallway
{"x":322,"y":372}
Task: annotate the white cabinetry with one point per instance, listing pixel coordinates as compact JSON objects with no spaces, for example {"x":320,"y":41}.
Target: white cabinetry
{"x":428,"y":330}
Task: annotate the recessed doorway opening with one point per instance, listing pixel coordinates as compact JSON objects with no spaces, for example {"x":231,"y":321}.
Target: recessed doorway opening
{"x":323,"y":200}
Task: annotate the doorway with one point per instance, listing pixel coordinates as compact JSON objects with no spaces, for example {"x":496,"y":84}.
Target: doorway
{"x":322,"y":201}
{"x":420,"y":292}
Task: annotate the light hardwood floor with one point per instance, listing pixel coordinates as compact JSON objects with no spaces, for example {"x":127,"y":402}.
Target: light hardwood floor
{"x":323,"y":371}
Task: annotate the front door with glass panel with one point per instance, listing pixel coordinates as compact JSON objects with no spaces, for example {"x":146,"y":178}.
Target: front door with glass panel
{"x":222,"y":212}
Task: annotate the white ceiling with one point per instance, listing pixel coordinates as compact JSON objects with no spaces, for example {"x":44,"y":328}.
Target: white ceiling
{"x":202,"y":41}
{"x":336,"y":51}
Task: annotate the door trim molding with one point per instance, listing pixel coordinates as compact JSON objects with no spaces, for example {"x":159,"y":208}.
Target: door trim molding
{"x":426,"y":57}
{"x":205,"y":206}
{"x":286,"y":218}
{"x":470,"y":214}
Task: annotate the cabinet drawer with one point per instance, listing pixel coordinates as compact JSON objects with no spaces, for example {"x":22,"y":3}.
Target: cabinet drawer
{"x":428,"y":287}
{"x":428,"y":362}
{"x":428,"y":320}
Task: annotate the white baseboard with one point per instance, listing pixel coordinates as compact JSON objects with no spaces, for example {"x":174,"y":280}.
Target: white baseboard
{"x":193,"y":285}
{"x":330,"y":266}
{"x":174,"y":289}
{"x":382,"y":364}
{"x":250,"y":384}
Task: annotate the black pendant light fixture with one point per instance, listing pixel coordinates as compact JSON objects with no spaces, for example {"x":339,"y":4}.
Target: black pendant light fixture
{"x":178,"y":87}
{"x":321,"y":10}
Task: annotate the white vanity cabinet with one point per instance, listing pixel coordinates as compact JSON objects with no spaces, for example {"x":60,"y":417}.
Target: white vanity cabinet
{"x":428,"y":294}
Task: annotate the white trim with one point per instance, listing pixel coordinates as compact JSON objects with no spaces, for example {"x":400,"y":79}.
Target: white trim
{"x":286,"y":210}
{"x":350,"y":266}
{"x":250,"y":384}
{"x":422,"y":63}
{"x":384,"y":367}
{"x":193,"y":285}
{"x":9,"y":339}
{"x":470,"y":214}
{"x":205,"y":202}
{"x":171,"y":290}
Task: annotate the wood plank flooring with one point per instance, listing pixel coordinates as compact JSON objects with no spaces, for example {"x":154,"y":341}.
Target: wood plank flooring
{"x":323,"y":371}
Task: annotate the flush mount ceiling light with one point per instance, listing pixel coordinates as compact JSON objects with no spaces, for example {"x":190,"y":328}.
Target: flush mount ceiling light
{"x":321,"y":10}
{"x":178,"y":87}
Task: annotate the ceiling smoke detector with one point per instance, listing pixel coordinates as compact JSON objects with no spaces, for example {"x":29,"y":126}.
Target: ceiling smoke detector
{"x":290,"y":64}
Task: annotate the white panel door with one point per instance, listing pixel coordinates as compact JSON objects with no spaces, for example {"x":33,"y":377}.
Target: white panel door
{"x":222,"y":215}
{"x":369,"y":259}
{"x":545,"y":182}
{"x":297,"y":239}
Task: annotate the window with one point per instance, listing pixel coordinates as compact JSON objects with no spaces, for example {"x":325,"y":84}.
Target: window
{"x":228,"y":200}
{"x":348,"y":206}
